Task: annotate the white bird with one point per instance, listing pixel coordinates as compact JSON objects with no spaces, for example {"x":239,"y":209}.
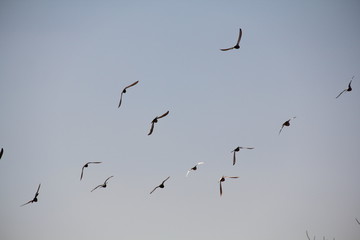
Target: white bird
{"x":194,"y":168}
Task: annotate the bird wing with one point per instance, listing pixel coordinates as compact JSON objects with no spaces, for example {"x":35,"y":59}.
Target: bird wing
{"x":152,"y":128}
{"x":120,"y":98}
{"x":341,"y":93}
{"x":220,"y":189}
{"x":108,"y":179}
{"x":154,"y":189}
{"x":349,"y":86}
{"x":226,"y":49}
{"x":93,"y":162}
{"x":199,"y":163}
{"x":188,"y":172}
{"x":357,"y":221}
{"x":131,"y":85}
{"x":37,"y":192}
{"x":163,"y":115}
{"x":230,"y":177}
{"x":239,"y":38}
{"x":82,"y":172}
{"x":1,"y":152}
{"x":26,"y":203}
{"x":281,"y":129}
{"x":96,"y":187}
{"x":165,"y":180}
{"x":234,"y":159}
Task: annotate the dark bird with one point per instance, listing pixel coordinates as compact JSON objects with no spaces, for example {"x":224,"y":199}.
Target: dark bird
{"x":348,"y":89}
{"x":237,"y":150}
{"x":35,"y":198}
{"x":237,"y":46}
{"x":307,"y":235}
{"x":1,"y":152}
{"x":357,"y":221}
{"x":124,"y":91}
{"x":287,"y":123}
{"x":85,"y":166}
{"x":194,"y":168}
{"x":161,"y":185}
{"x":155,"y":120}
{"x":222,"y":179}
{"x":102,"y":185}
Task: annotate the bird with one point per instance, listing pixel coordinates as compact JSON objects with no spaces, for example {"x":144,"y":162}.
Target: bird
{"x":124,"y":91}
{"x":1,"y":152}
{"x":348,"y":89}
{"x":357,"y":221}
{"x":222,"y":179}
{"x":161,"y":185}
{"x":85,"y":166}
{"x":35,"y":199}
{"x":237,"y":150}
{"x":103,"y":185}
{"x":194,"y":168}
{"x":237,"y":46}
{"x":155,"y":120}
{"x":287,"y":123}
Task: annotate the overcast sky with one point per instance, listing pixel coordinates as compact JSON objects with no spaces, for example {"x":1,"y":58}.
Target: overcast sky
{"x":63,"y":65}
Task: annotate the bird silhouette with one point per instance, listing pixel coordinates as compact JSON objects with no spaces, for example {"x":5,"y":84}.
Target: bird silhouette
{"x":161,"y":185}
{"x":124,"y":91}
{"x":286,"y":124}
{"x":357,"y":221}
{"x":194,"y":168}
{"x":222,"y":179}
{"x":237,"y":46}
{"x":155,"y":120}
{"x":35,"y":199}
{"x":348,"y":89}
{"x":103,"y":185}
{"x":237,"y":150}
{"x":1,"y":152}
{"x":85,"y":166}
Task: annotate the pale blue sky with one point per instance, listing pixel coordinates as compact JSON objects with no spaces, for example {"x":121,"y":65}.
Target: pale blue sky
{"x":63,"y":65}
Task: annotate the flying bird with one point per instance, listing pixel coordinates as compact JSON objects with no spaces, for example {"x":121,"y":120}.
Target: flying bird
{"x":124,"y":91}
{"x":35,"y":199}
{"x":194,"y":168}
{"x":85,"y":166}
{"x":357,"y":221}
{"x":287,"y":123}
{"x":103,"y":185}
{"x":222,"y":179}
{"x":237,"y":46}
{"x":161,"y":185}
{"x":237,"y":150}
{"x":1,"y":152}
{"x":155,"y":120}
{"x":348,"y":89}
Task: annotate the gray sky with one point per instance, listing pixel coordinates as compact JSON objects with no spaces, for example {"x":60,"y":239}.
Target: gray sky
{"x":63,"y":65}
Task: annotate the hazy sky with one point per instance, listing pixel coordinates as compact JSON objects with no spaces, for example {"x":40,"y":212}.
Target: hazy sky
{"x":63,"y":65}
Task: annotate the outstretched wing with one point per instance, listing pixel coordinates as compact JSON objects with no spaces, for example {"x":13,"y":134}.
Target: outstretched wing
{"x":357,"y":221}
{"x":82,"y":172}
{"x":152,"y":128}
{"x":281,"y":129}
{"x":37,"y":191}
{"x":234,"y":158}
{"x":154,"y":189}
{"x":131,"y":85}
{"x":163,"y":115}
{"x":341,"y":93}
{"x":96,"y":187}
{"x":188,"y":172}
{"x":26,"y":203}
{"x":226,"y":49}
{"x":239,"y":38}
{"x":230,"y":177}
{"x":121,"y":95}
{"x":108,"y":179}
{"x":1,"y":152}
{"x":165,"y":180}
{"x":220,"y":189}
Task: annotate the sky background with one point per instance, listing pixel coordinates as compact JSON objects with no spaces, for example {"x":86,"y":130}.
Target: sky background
{"x":63,"y":65}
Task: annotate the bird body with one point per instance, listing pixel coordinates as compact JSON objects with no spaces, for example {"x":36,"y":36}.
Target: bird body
{"x":161,"y":185}
{"x":286,"y":124}
{"x":35,"y":199}
{"x":155,"y":120}
{"x":237,"y":46}
{"x":124,"y":91}
{"x":237,"y":150}
{"x":348,"y":89}
{"x":85,"y":166}
{"x":103,"y":185}
{"x":222,"y":179}
{"x":194,"y":168}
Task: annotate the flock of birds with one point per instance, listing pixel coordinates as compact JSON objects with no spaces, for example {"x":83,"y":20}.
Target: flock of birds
{"x":194,"y":168}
